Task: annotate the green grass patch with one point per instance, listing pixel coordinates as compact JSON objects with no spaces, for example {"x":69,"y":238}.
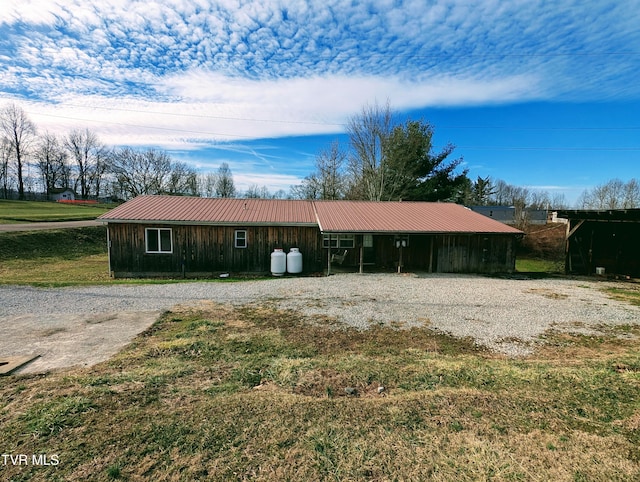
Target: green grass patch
{"x":54,"y":258}
{"x":536,"y":265}
{"x":41,"y":211}
{"x":223,"y":393}
{"x":62,"y":244}
{"x":629,"y":293}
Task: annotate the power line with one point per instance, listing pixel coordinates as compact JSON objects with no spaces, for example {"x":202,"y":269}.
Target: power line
{"x":531,"y":148}
{"x":530,"y":128}
{"x":171,"y":129}
{"x":496,"y":148}
{"x":282,"y":121}
{"x":203,"y":116}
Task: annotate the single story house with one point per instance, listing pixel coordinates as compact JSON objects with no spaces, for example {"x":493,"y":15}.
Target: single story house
{"x":605,"y":241}
{"x":200,"y":237}
{"x":62,"y":194}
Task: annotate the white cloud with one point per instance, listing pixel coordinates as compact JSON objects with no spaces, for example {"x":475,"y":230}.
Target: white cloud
{"x":273,"y":182}
{"x":177,"y":72}
{"x":213,"y":108}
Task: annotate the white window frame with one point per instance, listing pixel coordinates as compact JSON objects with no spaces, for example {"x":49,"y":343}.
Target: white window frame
{"x":147,"y":234}
{"x":236,"y":238}
{"x":341,"y":241}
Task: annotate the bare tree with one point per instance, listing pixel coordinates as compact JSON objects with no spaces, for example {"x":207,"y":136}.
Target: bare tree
{"x":151,"y":172}
{"x":309,"y":188}
{"x":368,"y":133}
{"x":51,"y":161}
{"x":329,"y":165}
{"x":182,"y":180}
{"x":140,"y":173}
{"x":328,"y":180}
{"x":207,"y":184}
{"x":88,"y":153}
{"x":614,"y":194}
{"x":632,"y":194}
{"x":224,"y":186}
{"x":256,"y":192}
{"x":20,"y":132}
{"x":394,"y":162}
{"x":5,"y":158}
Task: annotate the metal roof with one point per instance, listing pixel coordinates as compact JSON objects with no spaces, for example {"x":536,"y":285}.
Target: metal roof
{"x":601,"y":214}
{"x":329,"y":216}
{"x":404,"y":217}
{"x":195,"y":210}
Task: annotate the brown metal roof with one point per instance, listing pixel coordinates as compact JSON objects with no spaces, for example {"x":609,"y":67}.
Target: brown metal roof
{"x":330,"y":216}
{"x":404,"y":217}
{"x":175,"y":209}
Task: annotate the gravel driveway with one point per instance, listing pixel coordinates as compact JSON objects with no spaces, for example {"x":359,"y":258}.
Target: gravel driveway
{"x":70,"y":326}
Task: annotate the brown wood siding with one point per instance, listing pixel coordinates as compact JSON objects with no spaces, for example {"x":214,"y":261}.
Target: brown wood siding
{"x":480,"y":253}
{"x":607,"y":244}
{"x":207,"y":250}
{"x":456,"y":253}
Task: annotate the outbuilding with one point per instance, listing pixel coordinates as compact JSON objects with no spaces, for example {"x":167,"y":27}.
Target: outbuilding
{"x":603,"y":241}
{"x":154,"y":236}
{"x":62,"y":194}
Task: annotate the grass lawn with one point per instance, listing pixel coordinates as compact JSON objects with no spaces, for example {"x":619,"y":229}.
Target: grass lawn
{"x":536,"y":265}
{"x":251,"y":393}
{"x":54,"y":258}
{"x":223,"y":393}
{"x":36,"y":211}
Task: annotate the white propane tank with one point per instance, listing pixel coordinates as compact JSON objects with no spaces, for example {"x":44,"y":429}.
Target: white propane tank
{"x":278,"y":262}
{"x":294,"y":261}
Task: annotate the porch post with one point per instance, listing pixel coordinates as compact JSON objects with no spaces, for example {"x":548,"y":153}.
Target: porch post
{"x":432,"y":240}
{"x":329,"y":257}
{"x":361,"y":256}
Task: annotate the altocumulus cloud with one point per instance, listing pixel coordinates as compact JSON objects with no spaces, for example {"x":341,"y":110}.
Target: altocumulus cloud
{"x":176,"y":73}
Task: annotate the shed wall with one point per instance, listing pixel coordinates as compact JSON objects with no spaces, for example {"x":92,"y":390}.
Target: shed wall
{"x":475,"y":254}
{"x":207,"y":250}
{"x":607,"y":244}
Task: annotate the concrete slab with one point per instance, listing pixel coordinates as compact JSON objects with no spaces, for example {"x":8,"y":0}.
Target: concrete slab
{"x":10,"y":363}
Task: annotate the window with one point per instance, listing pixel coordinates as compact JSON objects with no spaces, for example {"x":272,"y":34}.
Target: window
{"x":338,"y":240}
{"x":241,"y":239}
{"x":158,"y":240}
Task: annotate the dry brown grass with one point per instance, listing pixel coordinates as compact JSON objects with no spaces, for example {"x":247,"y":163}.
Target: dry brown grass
{"x":627,"y":292}
{"x":223,"y":393}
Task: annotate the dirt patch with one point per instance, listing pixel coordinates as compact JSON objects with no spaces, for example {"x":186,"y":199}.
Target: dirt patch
{"x":547,"y":293}
{"x":64,"y":340}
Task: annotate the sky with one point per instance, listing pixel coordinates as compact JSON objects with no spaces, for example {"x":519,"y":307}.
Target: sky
{"x":541,"y":94}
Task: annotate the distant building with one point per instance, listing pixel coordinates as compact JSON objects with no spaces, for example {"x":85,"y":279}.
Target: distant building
{"x":63,"y":194}
{"x":508,"y":214}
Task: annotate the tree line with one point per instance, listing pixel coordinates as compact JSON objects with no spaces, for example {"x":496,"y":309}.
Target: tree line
{"x":81,"y":162}
{"x":384,"y":160}
{"x":46,"y":163}
{"x":390,"y":161}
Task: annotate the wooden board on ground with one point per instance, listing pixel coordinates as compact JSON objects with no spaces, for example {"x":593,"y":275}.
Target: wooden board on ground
{"x":10,"y":363}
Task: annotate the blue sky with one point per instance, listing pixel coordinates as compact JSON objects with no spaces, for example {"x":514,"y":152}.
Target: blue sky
{"x":543,"y":94}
